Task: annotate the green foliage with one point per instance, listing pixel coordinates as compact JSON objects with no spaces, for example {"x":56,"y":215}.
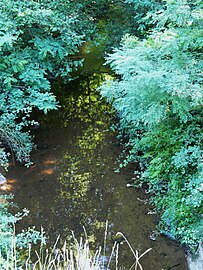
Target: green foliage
{"x":9,"y":240}
{"x":38,"y":40}
{"x":159,"y":97}
{"x":107,"y":21}
{"x":143,"y":13}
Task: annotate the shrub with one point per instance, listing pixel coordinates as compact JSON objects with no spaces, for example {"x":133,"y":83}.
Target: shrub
{"x":158,"y":97}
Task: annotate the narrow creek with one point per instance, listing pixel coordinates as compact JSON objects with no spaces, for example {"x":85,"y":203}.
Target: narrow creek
{"x":72,"y":183}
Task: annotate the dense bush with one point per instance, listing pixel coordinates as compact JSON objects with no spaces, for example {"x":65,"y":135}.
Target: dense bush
{"x":38,"y":40}
{"x":159,"y":97}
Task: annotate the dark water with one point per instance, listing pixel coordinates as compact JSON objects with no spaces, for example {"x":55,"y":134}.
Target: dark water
{"x":72,"y":183}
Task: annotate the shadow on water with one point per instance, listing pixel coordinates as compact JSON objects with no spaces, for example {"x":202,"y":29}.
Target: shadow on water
{"x":72,"y":182}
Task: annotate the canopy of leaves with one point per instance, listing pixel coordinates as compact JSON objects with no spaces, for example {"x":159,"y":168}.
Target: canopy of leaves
{"x":38,"y":41}
{"x":159,"y":98}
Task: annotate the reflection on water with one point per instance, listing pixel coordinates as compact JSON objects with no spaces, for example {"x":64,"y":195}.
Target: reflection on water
{"x":73,"y":183}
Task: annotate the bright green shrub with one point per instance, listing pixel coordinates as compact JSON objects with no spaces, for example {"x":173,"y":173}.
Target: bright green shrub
{"x":159,"y":99}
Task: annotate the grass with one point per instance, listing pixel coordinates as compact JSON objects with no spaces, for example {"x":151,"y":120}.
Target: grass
{"x":77,"y":257}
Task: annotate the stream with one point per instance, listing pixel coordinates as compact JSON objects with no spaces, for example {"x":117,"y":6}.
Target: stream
{"x":72,"y":183}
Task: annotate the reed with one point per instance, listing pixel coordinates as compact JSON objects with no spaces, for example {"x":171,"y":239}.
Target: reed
{"x":77,"y":257}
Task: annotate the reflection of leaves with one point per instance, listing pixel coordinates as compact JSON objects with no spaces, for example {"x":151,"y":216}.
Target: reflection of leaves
{"x":77,"y":186}
{"x":75,"y":181}
{"x":90,"y":139}
{"x":84,"y":114}
{"x":86,"y":105}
